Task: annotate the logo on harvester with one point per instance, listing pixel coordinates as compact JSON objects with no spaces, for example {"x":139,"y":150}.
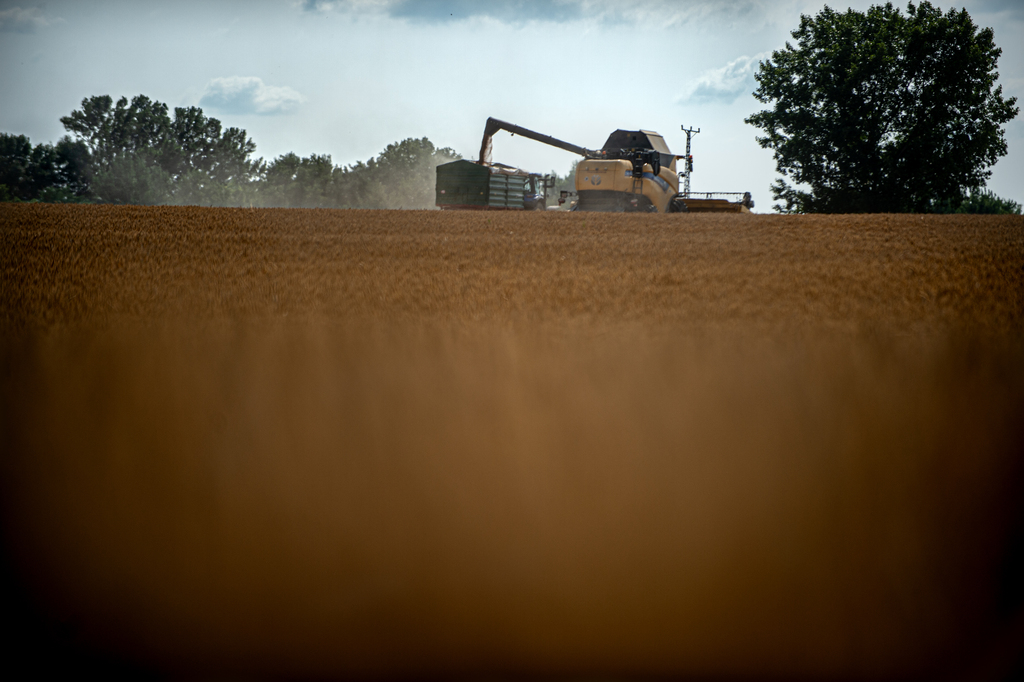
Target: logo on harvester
{"x":595,"y":179}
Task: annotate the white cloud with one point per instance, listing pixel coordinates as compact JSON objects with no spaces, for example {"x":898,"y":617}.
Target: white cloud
{"x":18,"y":20}
{"x":355,"y":6}
{"x":249,"y":95}
{"x":610,"y":12}
{"x":724,"y":84}
{"x":674,"y":13}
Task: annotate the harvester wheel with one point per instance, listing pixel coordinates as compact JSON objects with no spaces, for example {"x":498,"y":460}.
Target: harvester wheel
{"x":677,"y":205}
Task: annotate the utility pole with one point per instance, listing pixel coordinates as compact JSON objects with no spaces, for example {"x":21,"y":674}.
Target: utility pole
{"x":688,"y":160}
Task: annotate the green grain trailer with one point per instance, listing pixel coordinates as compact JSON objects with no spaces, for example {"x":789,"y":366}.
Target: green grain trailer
{"x":470,"y":185}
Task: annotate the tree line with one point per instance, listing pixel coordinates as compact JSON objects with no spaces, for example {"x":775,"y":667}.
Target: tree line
{"x":136,"y":152}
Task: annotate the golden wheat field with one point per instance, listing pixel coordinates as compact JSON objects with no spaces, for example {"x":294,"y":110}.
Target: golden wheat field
{"x":313,"y":444}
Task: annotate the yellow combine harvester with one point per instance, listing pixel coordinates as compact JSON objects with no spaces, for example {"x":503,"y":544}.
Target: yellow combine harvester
{"x":633,"y":172}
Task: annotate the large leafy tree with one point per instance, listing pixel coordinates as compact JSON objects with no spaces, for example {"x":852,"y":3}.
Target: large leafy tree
{"x":878,"y":111}
{"x":138,"y":154}
{"x":213,"y":165}
{"x":112,"y":131}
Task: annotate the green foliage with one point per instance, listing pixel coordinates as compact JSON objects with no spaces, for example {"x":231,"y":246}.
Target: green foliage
{"x":73,"y":160}
{"x":187,"y":160}
{"x":878,"y":111}
{"x":213,"y":167}
{"x":26,"y":171}
{"x":987,"y":202}
{"x":408,"y":170}
{"x":132,"y":179}
{"x":298,"y":182}
{"x":135,"y":153}
{"x":401,"y":176}
{"x":565,"y":182}
{"x":982,"y":202}
{"x":61,"y":195}
{"x":112,"y":132}
{"x":15,"y":160}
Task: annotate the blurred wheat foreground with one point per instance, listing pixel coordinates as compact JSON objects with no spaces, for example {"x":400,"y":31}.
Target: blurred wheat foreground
{"x":392,"y":443}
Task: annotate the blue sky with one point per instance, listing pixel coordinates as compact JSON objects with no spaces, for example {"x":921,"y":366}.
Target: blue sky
{"x":348,"y":77}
